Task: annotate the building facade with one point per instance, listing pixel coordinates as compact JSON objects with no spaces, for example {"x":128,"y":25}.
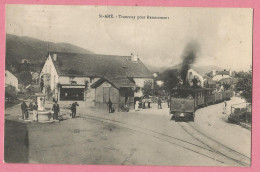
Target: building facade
{"x":69,"y":76}
{"x":10,"y":79}
{"x":11,"y":85}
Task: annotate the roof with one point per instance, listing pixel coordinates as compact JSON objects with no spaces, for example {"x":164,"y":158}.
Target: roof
{"x":223,"y":72}
{"x":8,"y":70}
{"x":96,"y":65}
{"x":219,"y":77}
{"x":118,"y":82}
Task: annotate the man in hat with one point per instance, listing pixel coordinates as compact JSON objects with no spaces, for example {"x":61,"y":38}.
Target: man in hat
{"x":225,"y":107}
{"x":24,"y":110}
{"x":159,"y":103}
{"x":56,"y":110}
{"x":74,"y":109}
{"x":35,"y":111}
{"x":109,"y":104}
{"x":168,"y":101}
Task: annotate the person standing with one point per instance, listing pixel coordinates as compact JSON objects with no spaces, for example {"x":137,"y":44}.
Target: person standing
{"x":159,"y":103}
{"x":41,"y":84}
{"x":149,"y":102}
{"x":168,"y":101}
{"x":143,"y":103}
{"x":35,"y":112}
{"x":74,"y":109}
{"x":56,"y":110}
{"x":225,"y":107}
{"x":24,"y":110}
{"x":110,"y":106}
{"x":136,"y":105}
{"x":30,"y":109}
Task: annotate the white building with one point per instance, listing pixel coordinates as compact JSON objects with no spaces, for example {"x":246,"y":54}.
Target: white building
{"x":191,"y":74}
{"x":11,"y":85}
{"x":10,"y":79}
{"x":220,"y":75}
{"x":68,"y":76}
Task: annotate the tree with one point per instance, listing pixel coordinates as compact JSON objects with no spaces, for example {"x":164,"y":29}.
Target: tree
{"x":244,"y":85}
{"x":148,"y":88}
{"x":171,"y":80}
{"x":25,"y":77}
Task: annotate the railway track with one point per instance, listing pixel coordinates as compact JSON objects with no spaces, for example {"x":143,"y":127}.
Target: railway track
{"x":207,"y":150}
{"x":216,"y":146}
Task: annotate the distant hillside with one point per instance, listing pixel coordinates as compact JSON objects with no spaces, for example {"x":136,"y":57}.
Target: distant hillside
{"x":206,"y":69}
{"x":154,"y":69}
{"x":200,"y":69}
{"x":34,"y":50}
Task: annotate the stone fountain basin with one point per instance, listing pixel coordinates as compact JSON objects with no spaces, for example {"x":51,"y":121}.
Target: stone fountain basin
{"x":45,"y":115}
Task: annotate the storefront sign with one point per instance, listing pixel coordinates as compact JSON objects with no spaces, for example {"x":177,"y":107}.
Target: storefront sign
{"x":73,"y":86}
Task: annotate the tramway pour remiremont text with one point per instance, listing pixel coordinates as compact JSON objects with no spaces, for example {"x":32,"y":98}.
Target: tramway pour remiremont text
{"x":141,"y":17}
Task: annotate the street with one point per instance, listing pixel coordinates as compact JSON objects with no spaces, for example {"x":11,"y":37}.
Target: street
{"x":145,"y":137}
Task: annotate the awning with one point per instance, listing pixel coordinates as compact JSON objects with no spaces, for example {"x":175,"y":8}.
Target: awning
{"x":72,"y":86}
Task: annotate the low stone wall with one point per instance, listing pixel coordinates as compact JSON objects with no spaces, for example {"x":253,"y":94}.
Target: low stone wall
{"x":246,"y":125}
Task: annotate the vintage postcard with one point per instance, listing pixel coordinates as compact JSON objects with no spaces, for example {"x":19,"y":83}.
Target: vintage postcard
{"x":114,"y":85}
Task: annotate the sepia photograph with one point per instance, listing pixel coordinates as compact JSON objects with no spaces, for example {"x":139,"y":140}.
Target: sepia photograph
{"x":128,"y":85}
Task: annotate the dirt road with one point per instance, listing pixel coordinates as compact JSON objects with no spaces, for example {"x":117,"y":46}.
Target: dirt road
{"x":146,"y":137}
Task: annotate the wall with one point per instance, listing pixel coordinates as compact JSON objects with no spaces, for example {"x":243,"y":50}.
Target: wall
{"x":106,"y":91}
{"x":89,"y":96}
{"x":10,"y":79}
{"x":140,"y":81}
{"x":49,"y":68}
{"x":190,"y":75}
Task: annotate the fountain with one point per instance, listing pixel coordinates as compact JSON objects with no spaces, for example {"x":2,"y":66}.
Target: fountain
{"x":44,"y":116}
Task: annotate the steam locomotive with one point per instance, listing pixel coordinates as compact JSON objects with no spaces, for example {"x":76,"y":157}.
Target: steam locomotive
{"x":185,"y":101}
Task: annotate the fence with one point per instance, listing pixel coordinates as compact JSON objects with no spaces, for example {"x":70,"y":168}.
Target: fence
{"x":241,"y":113}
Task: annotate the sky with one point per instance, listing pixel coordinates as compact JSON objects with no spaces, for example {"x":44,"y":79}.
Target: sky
{"x":223,"y":34}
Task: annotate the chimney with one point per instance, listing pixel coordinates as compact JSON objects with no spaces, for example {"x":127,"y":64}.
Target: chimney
{"x":55,"y":57}
{"x":230,"y":72}
{"x":134,"y":58}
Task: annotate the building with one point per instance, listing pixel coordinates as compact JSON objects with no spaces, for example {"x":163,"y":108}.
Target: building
{"x":222,"y":75}
{"x":119,"y":90}
{"x":69,"y":76}
{"x":11,"y":79}
{"x":193,"y":74}
{"x":11,"y":85}
{"x":35,"y":77}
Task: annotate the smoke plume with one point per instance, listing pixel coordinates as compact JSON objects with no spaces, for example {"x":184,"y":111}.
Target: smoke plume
{"x":188,"y":58}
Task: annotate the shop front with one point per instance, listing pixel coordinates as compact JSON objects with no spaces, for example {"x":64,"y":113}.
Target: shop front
{"x":72,"y":92}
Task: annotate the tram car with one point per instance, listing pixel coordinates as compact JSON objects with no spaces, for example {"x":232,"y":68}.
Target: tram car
{"x":185,"y":102}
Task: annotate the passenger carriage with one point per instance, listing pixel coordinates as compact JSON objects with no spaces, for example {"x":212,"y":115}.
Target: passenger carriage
{"x":185,"y":102}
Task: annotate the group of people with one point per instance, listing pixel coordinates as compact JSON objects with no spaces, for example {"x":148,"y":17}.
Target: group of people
{"x":33,"y":107}
{"x":141,"y":104}
{"x":56,"y":110}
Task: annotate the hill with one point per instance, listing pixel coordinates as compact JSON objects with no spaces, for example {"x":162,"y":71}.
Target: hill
{"x":200,"y":69}
{"x":34,"y":50}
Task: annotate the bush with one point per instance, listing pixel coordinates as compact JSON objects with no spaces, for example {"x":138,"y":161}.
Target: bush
{"x":244,"y":85}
